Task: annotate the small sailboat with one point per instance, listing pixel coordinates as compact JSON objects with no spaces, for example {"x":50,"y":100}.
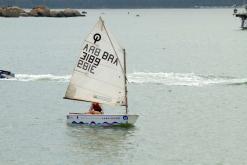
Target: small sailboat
{"x":242,"y":15}
{"x":100,"y":76}
{"x":6,"y":74}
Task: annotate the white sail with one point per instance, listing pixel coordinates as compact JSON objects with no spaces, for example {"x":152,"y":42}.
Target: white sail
{"x":99,"y":72}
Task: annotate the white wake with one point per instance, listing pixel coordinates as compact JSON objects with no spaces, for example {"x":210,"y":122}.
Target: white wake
{"x":183,"y":79}
{"x":175,"y":79}
{"x":41,"y":77}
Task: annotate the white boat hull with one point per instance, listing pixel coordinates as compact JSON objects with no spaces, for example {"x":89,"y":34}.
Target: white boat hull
{"x":100,"y":120}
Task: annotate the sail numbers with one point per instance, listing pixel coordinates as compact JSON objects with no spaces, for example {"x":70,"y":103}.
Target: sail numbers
{"x":92,"y":56}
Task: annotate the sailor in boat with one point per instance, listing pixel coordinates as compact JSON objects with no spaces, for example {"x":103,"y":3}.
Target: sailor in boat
{"x":95,"y":109}
{"x":6,"y":74}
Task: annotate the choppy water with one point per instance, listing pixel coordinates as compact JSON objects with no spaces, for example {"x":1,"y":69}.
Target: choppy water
{"x":187,"y":81}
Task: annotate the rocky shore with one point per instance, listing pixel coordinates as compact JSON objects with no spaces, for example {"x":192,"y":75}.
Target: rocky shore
{"x":39,"y":11}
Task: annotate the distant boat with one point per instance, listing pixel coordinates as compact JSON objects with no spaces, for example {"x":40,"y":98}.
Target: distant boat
{"x":242,"y":15}
{"x":6,"y":74}
{"x":235,"y":11}
{"x":100,"y":76}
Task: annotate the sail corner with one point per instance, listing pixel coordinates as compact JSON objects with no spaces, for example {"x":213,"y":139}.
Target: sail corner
{"x":101,"y":19}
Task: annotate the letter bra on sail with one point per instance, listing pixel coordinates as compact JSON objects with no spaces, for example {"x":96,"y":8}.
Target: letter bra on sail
{"x":99,"y":72}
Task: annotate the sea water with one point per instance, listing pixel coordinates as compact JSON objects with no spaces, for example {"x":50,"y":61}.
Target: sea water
{"x":187,"y":79}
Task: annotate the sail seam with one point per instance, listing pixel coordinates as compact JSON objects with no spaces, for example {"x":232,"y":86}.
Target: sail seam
{"x":98,"y":92}
{"x":114,"y":98}
{"x":100,"y":80}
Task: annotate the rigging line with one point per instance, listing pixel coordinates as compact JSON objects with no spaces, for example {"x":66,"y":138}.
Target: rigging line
{"x":113,"y":48}
{"x":87,"y":101}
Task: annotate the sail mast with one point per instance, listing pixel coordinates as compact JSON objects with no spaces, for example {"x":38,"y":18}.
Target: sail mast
{"x":123,"y":68}
{"x":125,"y":83}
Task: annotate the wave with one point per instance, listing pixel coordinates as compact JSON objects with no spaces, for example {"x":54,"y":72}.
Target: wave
{"x":173,"y":79}
{"x":41,"y":77}
{"x":183,"y":79}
